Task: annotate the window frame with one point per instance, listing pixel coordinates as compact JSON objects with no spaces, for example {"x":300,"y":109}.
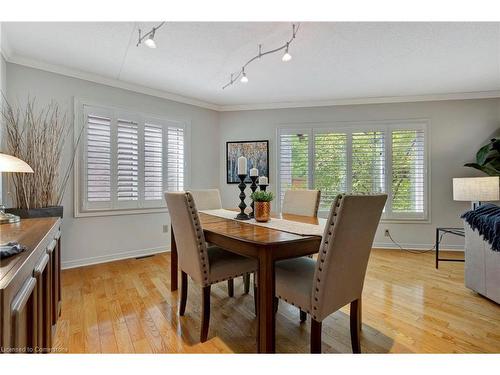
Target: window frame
{"x":350,"y":127}
{"x":81,"y":205}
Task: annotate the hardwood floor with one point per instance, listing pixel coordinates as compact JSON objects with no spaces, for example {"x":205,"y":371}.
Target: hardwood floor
{"x":408,"y":306}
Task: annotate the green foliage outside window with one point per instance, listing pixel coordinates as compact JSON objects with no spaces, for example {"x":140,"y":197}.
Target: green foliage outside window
{"x":368,"y":166}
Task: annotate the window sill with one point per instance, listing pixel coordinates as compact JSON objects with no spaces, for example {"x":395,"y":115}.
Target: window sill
{"x":385,"y":220}
{"x":405,"y":221}
{"x":139,"y":211}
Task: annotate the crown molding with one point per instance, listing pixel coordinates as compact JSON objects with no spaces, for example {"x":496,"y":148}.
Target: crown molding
{"x":11,"y":57}
{"x":86,"y":76}
{"x":358,"y":101}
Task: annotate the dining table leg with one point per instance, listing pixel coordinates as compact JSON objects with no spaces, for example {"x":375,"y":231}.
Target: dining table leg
{"x":266,"y":291}
{"x":173,"y":262}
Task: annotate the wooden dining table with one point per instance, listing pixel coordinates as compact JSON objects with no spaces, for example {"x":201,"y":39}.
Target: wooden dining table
{"x":264,"y":244}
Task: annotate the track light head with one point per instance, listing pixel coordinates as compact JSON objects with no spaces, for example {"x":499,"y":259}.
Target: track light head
{"x":286,"y":57}
{"x":150,"y":42}
{"x":244,"y":78}
{"x":148,"y":38}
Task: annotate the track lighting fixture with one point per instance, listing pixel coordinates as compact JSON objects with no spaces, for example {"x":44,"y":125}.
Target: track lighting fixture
{"x":148,"y":38}
{"x":286,"y":57}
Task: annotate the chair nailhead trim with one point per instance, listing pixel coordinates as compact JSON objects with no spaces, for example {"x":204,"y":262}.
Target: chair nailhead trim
{"x":324,"y":249}
{"x":199,"y":234}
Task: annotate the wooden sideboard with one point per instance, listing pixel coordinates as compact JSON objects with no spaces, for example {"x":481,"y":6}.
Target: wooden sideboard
{"x":30,"y":286}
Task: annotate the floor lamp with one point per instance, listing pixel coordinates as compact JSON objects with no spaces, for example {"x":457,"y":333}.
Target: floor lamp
{"x":10,"y":163}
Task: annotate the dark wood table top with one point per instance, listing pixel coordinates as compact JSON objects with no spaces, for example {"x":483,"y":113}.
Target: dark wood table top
{"x":28,"y":232}
{"x":255,"y":234}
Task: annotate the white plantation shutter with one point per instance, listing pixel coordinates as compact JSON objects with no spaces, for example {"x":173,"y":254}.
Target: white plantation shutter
{"x":330,"y":166}
{"x":362,"y":158}
{"x":98,"y":161}
{"x":408,"y":171}
{"x":153,"y":162}
{"x":175,"y":158}
{"x":128,"y":161}
{"x":127,"y":155}
{"x":294,"y":161}
{"x":368,"y":162}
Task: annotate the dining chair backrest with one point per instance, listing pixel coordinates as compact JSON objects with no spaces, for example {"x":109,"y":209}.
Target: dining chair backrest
{"x":206,"y":199}
{"x":344,"y":251}
{"x":301,"y":202}
{"x":189,"y":238}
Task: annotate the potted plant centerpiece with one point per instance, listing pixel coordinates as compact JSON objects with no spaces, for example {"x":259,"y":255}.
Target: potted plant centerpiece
{"x":37,"y":135}
{"x":262,"y":205}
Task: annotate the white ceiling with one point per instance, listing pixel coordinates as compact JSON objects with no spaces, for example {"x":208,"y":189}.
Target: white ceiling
{"x":331,"y":61}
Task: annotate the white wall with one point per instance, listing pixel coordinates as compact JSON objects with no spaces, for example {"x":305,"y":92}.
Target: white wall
{"x":457,"y":130}
{"x":96,"y":239}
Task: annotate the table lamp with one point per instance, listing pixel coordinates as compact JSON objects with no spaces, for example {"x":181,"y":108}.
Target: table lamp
{"x":476,"y":189}
{"x":10,"y":163}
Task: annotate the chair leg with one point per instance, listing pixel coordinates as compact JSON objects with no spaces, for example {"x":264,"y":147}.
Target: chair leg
{"x":315,"y":336}
{"x":246,"y":282}
{"x":205,"y":313}
{"x":303,"y":316}
{"x":184,"y":292}
{"x":355,"y":325}
{"x":230,"y":288}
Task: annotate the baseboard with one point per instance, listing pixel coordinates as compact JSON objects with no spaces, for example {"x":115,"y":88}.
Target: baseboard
{"x":112,"y":257}
{"x":391,"y":245}
{"x":157,"y":250}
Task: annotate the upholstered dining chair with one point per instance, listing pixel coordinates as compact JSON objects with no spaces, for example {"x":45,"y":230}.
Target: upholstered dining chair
{"x":304,"y":203}
{"x":209,"y":199}
{"x":336,"y":278}
{"x":205,"y":265}
{"x":206,"y":199}
{"x":301,"y":202}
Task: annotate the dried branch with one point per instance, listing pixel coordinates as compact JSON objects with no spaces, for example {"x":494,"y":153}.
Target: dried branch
{"x":39,"y":137}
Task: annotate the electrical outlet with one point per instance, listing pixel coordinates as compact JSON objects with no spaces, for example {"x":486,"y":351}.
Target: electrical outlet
{"x":165,"y":228}
{"x":386,"y":233}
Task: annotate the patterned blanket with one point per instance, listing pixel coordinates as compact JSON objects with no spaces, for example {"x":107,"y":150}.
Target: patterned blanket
{"x":486,"y":220}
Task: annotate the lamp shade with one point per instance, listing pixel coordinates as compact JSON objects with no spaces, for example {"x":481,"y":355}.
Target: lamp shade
{"x":10,"y":163}
{"x":476,"y":189}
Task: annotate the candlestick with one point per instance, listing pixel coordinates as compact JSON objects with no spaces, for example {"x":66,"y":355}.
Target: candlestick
{"x":253,"y":187}
{"x":263,"y":187}
{"x":242,"y":165}
{"x":242,"y":185}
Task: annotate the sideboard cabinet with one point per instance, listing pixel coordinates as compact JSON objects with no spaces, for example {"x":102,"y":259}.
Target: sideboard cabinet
{"x":30,"y":286}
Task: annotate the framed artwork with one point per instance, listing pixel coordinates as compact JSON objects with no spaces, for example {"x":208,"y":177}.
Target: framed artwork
{"x":257,"y":154}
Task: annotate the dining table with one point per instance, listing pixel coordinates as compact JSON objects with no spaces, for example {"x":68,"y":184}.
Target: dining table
{"x":266,"y":245}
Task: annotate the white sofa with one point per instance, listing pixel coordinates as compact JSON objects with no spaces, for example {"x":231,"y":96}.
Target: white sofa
{"x":482,"y":265}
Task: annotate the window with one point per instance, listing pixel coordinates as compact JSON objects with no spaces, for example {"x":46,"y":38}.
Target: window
{"x":128,"y":161}
{"x":363,"y":158}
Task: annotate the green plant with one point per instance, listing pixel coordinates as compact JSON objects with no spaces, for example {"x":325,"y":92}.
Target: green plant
{"x":488,"y":158}
{"x":262,"y":196}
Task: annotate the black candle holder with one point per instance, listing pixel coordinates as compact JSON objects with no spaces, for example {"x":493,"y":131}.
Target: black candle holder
{"x":242,"y":186}
{"x":253,"y":186}
{"x":263,"y":187}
